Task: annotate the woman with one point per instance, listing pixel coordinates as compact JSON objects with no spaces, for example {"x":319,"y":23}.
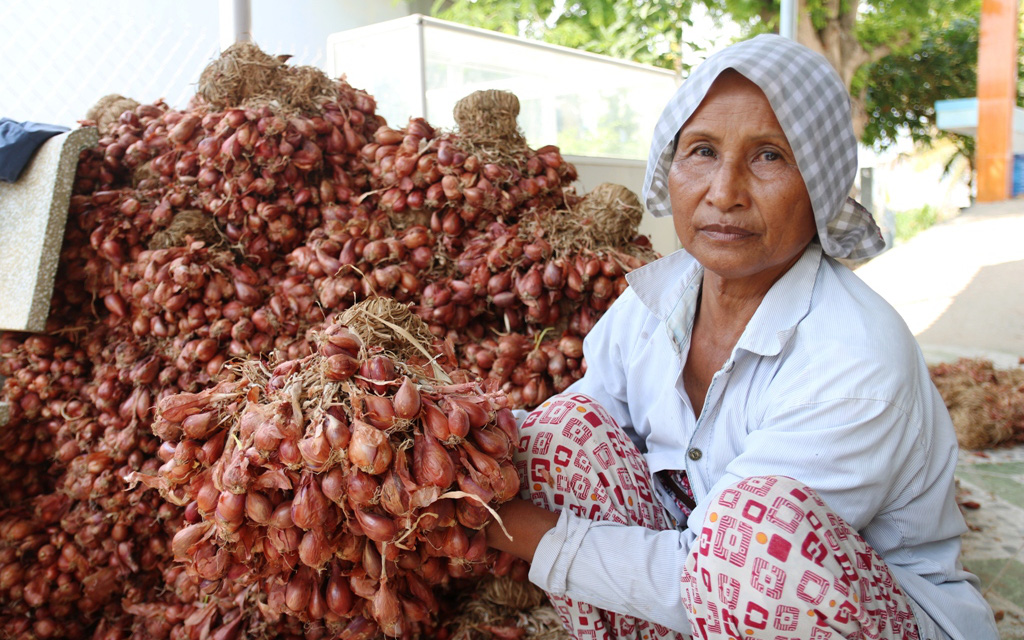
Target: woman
{"x":796,"y":474}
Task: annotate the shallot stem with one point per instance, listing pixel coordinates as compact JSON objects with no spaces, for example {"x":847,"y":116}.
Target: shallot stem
{"x":463,"y":494}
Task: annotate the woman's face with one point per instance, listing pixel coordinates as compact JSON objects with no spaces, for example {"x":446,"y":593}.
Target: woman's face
{"x":739,"y":203}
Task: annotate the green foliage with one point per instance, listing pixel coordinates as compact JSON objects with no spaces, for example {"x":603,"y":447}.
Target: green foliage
{"x":521,"y":18}
{"x":878,"y":22}
{"x":876,"y":27}
{"x":910,"y":223}
{"x":646,"y":31}
{"x":902,"y":88}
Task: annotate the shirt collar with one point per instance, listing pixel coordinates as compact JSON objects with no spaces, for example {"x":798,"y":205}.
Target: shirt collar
{"x":660,"y":285}
{"x":783,"y":307}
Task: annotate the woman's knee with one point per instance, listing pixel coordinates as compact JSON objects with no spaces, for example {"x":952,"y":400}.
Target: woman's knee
{"x":573,"y":455}
{"x":573,"y":431}
{"x":780,"y":501}
{"x":769,"y":546}
{"x":779,"y":513}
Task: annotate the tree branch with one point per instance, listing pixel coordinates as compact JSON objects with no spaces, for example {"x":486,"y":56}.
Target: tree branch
{"x":883,"y":50}
{"x":848,"y":18}
{"x":834,"y":8}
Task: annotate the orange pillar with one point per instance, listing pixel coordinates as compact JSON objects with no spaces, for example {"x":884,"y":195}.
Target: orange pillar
{"x":997,"y":92}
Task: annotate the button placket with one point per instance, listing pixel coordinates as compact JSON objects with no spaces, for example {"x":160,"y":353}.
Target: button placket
{"x":695,"y":454}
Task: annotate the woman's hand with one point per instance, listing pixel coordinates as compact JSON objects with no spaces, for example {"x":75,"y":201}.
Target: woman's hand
{"x":526,"y":523}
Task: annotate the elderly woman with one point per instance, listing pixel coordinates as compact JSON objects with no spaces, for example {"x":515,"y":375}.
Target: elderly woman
{"x":756,"y":450}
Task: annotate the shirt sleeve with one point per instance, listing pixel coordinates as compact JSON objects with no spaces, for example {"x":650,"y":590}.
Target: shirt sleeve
{"x":588,"y":561}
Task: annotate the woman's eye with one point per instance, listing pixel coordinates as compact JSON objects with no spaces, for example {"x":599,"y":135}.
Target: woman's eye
{"x":770,"y":156}
{"x":705,"y":152}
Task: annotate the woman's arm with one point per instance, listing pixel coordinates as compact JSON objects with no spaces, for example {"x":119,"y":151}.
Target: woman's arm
{"x":526,"y":523}
{"x":627,"y":569}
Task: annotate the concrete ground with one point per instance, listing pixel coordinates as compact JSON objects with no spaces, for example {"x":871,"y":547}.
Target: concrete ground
{"x":960,"y":284}
{"x":960,"y":287}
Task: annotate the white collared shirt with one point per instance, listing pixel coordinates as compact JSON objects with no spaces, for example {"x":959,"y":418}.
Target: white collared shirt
{"x":826,"y":385}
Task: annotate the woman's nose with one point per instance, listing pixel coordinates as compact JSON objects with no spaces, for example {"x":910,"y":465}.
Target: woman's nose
{"x":728,"y":187}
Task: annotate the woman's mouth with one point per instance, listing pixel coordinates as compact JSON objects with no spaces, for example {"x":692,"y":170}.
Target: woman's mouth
{"x":725,"y":232}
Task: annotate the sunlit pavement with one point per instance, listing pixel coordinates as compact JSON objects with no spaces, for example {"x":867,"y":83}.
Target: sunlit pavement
{"x":960,"y":284}
{"x":960,"y":287}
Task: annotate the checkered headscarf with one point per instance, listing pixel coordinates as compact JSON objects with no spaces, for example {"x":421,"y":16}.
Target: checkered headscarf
{"x":813,"y":107}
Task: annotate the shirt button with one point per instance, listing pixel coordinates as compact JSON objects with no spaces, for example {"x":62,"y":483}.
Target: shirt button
{"x":694,"y":454}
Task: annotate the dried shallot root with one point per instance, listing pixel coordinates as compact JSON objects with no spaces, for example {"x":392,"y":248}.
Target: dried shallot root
{"x":351,"y":484}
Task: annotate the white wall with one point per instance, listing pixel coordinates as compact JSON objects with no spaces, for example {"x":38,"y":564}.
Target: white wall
{"x":630,"y":174}
{"x":60,"y":56}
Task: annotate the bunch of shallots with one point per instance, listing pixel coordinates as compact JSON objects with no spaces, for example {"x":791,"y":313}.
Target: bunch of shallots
{"x":349,"y":486}
{"x":265,"y":177}
{"x":424,"y":175}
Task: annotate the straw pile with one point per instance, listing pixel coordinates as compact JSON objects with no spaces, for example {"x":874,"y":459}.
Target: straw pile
{"x":488,"y":127}
{"x":501,"y":607}
{"x":187,"y":226}
{"x":985,"y":403}
{"x":244,"y":75}
{"x":607,"y":218}
{"x":107,"y":111}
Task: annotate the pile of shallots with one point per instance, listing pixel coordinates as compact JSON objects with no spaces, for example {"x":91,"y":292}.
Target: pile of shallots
{"x":174,"y":262}
{"x":523,"y":268}
{"x":231,"y":232}
{"x":349,"y":486}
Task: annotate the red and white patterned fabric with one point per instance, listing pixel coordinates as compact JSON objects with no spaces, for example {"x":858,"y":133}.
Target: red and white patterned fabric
{"x":772,"y":561}
{"x":573,"y":456}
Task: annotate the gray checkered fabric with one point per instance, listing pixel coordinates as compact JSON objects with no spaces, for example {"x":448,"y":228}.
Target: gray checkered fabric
{"x":813,"y":107}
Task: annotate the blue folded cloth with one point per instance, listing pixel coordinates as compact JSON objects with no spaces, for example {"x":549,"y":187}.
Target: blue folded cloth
{"x":18,"y":141}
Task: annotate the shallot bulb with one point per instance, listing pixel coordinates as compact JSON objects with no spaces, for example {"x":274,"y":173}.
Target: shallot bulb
{"x":431,"y":464}
{"x":387,"y":611}
{"x":369,"y":448}
{"x":407,"y":400}
{"x":310,"y":506}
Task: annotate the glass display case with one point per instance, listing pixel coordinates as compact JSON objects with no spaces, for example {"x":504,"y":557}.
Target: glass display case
{"x":587,"y":104}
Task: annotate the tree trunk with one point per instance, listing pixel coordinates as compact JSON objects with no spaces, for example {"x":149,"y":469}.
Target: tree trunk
{"x":837,"y":42}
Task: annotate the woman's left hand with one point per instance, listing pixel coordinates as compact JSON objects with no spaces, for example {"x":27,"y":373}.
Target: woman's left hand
{"x":526,"y":523}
